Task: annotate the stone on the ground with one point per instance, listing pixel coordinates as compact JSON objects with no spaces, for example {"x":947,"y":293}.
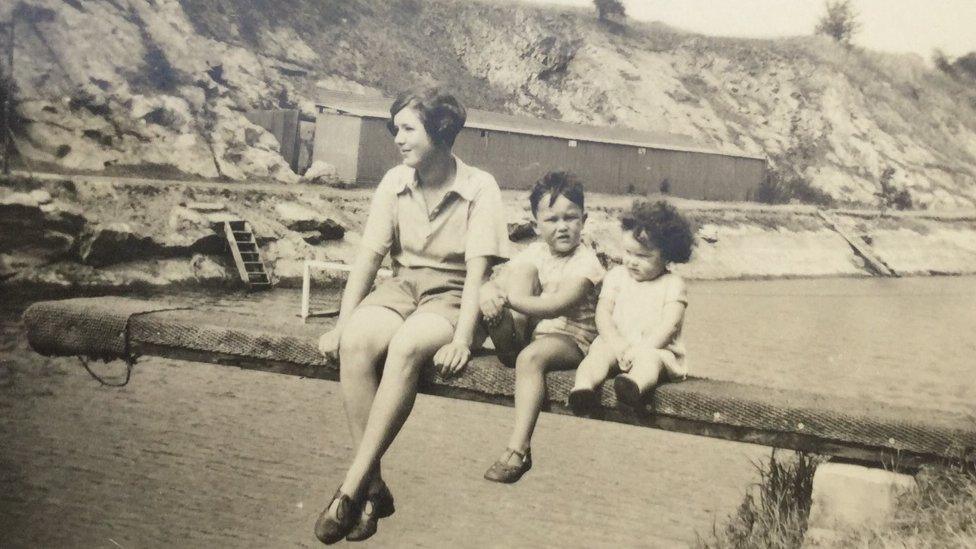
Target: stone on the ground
{"x":850,"y":497}
{"x":299,"y":217}
{"x":312,"y":237}
{"x":41,"y":196}
{"x":19,"y":199}
{"x":206,"y":206}
{"x":191,"y":232}
{"x":44,"y":230}
{"x":708,"y":233}
{"x":114,"y":243}
{"x":521,"y":229}
{"x":208,"y":269}
{"x":321,"y":173}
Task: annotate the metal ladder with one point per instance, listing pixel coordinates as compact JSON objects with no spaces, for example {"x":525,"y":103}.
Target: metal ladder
{"x":247,"y":255}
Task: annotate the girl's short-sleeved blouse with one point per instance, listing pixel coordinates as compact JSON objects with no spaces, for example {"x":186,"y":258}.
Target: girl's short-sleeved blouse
{"x":469,"y":222}
{"x":638,"y":306}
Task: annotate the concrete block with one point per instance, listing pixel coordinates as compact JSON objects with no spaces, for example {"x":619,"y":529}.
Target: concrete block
{"x":852,"y":497}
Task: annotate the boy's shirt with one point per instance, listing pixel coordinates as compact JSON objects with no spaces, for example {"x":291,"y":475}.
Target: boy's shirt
{"x":580,"y":321}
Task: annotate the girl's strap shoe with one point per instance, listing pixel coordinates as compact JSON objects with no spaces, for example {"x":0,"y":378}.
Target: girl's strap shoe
{"x":379,"y":504}
{"x":330,"y":530}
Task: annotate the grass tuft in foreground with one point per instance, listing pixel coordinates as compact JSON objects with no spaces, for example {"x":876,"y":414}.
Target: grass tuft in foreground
{"x":774,"y":513}
{"x":940,"y":513}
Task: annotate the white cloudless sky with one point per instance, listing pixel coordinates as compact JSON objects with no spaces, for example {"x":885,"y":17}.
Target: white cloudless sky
{"x":899,"y":26}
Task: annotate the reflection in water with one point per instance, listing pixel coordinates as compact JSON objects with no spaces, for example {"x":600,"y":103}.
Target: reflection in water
{"x":909,"y":341}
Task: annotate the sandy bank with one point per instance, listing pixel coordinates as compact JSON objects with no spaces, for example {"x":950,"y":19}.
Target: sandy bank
{"x":87,"y":231}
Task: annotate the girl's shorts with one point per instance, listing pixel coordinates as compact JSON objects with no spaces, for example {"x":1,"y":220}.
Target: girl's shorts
{"x":420,"y":289}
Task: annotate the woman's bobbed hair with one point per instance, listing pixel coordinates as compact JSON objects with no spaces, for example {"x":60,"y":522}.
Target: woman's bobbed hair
{"x":660,"y":225}
{"x":442,"y":114}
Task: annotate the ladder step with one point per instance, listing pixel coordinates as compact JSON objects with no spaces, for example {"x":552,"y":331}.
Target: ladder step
{"x":247,"y":255}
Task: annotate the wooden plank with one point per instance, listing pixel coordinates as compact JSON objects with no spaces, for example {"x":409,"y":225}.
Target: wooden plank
{"x":868,"y":455}
{"x":859,"y":246}
{"x":250,"y":334}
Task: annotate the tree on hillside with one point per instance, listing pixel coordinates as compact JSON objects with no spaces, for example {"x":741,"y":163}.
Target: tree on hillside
{"x":963,"y":66}
{"x":606,"y":9}
{"x":966,"y":64}
{"x":840,"y":22}
{"x":941,"y":61}
{"x":891,"y":196}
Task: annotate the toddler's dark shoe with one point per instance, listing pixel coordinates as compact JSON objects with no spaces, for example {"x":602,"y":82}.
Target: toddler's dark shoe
{"x":583,"y":402}
{"x":628,"y":393}
{"x":330,"y":530}
{"x":501,"y":471}
{"x":378,"y":504}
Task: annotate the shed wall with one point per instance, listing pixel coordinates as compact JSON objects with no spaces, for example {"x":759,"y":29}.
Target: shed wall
{"x":337,"y":141}
{"x":518,"y":160}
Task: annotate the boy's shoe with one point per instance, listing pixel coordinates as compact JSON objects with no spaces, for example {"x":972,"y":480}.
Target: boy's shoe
{"x":583,"y":401}
{"x":628,"y":393}
{"x":379,"y":504}
{"x":501,"y":471}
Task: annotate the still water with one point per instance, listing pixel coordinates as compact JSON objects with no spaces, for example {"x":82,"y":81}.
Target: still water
{"x":205,"y":455}
{"x":909,"y":341}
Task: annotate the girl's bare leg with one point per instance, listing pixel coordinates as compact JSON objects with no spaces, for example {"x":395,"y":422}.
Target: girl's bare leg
{"x":646,"y":371}
{"x":361,"y":348}
{"x":596,"y":366}
{"x":545,"y":354}
{"x":413,"y":345}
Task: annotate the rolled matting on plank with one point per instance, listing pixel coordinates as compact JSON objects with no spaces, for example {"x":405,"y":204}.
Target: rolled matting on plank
{"x":245,"y":335}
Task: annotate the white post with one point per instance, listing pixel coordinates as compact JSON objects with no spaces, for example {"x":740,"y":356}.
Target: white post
{"x":306,"y":290}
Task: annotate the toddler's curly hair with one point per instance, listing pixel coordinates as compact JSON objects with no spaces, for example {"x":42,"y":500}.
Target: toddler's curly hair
{"x":660,"y":225}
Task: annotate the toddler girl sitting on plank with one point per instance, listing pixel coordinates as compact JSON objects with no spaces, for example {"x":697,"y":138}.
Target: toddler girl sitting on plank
{"x":640,"y":312}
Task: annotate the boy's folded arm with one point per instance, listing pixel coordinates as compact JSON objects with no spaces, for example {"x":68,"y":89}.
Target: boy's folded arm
{"x":558,"y":303}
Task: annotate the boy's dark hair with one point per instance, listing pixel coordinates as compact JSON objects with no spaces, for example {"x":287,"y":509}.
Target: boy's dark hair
{"x":442,"y":114}
{"x":557,"y":184}
{"x":660,"y":225}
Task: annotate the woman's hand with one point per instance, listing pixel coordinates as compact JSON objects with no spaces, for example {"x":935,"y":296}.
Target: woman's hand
{"x":329,"y":344}
{"x":452,"y":358}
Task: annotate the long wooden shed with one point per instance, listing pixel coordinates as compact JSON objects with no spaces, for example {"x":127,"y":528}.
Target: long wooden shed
{"x":351,"y":134}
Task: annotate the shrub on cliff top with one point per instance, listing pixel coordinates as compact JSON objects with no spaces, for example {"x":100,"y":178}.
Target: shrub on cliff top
{"x":840,"y":21}
{"x":890,"y":195}
{"x":607,"y":9}
{"x":783,"y":188}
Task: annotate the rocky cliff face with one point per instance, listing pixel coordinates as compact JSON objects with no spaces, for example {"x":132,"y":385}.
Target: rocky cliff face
{"x":117,"y":84}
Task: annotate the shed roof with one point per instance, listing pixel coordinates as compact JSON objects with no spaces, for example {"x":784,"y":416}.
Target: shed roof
{"x":379,"y":107}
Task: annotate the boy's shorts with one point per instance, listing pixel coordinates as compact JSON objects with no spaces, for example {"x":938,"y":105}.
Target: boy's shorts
{"x":420,"y":289}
